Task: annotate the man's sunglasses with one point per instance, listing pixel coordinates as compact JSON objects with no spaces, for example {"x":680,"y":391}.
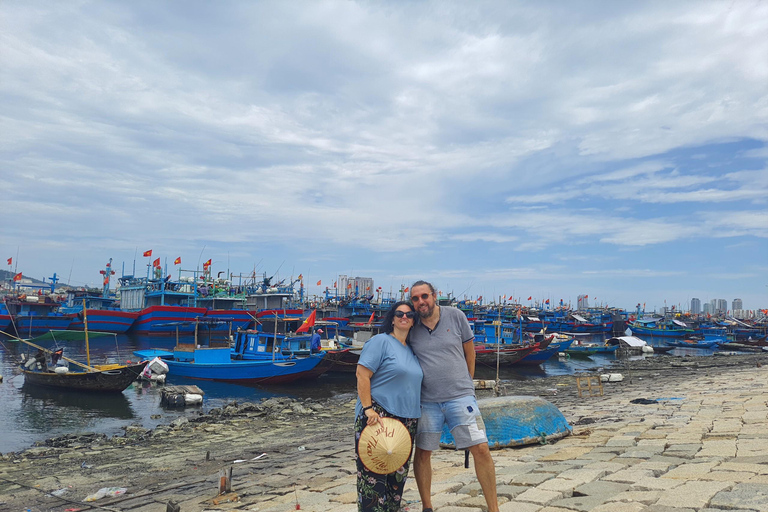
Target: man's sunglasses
{"x":415,"y":298}
{"x":407,"y":314}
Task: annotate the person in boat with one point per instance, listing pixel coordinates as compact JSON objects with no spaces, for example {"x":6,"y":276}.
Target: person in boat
{"x":315,"y":345}
{"x":388,"y":385}
{"x":443,"y":342}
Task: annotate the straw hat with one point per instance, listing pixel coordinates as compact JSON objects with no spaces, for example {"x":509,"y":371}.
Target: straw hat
{"x":384,"y":447}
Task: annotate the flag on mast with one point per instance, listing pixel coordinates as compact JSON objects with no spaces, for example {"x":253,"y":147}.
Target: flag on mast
{"x":148,"y":254}
{"x":309,"y":322}
{"x":177,"y":261}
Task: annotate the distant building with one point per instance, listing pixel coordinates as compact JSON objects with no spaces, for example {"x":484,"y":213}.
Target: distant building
{"x":707,"y":309}
{"x":736,"y":304}
{"x":582,"y":302}
{"x":722,"y":306}
{"x":355,"y":286}
{"x":695,"y":306}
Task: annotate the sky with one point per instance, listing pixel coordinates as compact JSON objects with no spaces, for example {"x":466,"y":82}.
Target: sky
{"x":617,"y":150}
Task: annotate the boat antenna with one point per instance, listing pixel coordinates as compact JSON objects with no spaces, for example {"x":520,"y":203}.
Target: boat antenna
{"x":200,"y":258}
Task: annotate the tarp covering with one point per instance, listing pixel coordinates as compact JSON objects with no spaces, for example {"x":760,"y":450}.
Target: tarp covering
{"x":580,"y":319}
{"x":627,"y":341}
{"x":678,"y":322}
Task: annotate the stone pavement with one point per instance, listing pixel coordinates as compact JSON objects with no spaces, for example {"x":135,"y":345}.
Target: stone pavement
{"x":688,"y":437}
{"x":700,"y":444}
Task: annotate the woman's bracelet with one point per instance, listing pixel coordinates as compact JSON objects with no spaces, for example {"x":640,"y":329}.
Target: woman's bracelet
{"x":366,"y":408}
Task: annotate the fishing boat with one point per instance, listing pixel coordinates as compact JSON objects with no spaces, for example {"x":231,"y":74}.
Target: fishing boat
{"x":103,"y":378}
{"x":214,"y":362}
{"x":273,"y":354}
{"x":670,"y":328}
{"x":702,"y":344}
{"x":490,"y":355}
{"x":36,"y":314}
{"x":101,"y":306}
{"x":106,"y":378}
{"x":5,"y":317}
{"x":543,"y":354}
{"x":578,"y":349}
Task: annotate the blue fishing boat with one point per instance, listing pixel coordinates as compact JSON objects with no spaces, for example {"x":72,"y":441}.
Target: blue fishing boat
{"x":101,"y":308}
{"x":702,"y":344}
{"x":5,"y":318}
{"x":36,"y":314}
{"x":214,"y":362}
{"x":670,"y":328}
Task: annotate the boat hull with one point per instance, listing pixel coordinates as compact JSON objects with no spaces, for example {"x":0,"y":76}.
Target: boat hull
{"x":113,"y":380}
{"x":158,"y":320}
{"x":104,"y":320}
{"x":540,"y":356}
{"x":220,"y":368}
{"x":34,"y":324}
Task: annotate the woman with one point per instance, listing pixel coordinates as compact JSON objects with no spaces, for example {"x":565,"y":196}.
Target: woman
{"x":388,"y":385}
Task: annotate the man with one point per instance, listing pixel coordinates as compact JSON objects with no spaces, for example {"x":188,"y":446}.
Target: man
{"x":443,"y":344}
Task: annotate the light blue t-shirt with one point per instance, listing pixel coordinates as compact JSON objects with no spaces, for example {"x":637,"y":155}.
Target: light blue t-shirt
{"x":396,"y":379}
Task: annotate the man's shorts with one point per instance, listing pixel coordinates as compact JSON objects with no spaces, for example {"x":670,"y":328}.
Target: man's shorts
{"x":462,"y":417}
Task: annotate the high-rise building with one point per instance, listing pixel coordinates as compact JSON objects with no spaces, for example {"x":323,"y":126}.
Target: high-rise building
{"x":695,"y":306}
{"x":356,"y":286}
{"x":707,"y":309}
{"x":722,"y":306}
{"x":582,"y":302}
{"x":736,"y":304}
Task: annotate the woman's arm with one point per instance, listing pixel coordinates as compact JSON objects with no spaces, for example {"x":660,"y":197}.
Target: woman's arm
{"x":364,"y":392}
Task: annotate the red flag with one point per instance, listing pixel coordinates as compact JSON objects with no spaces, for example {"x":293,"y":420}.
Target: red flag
{"x":206,"y":264}
{"x":529,"y":298}
{"x":349,"y":285}
{"x":17,"y":277}
{"x":370,"y":320}
{"x":156,"y":263}
{"x":148,"y":254}
{"x":10,"y":260}
{"x":334,"y":284}
{"x":177,"y":261}
{"x":301,"y":276}
{"x":309,"y":322}
{"x":546,"y":301}
{"x":319,"y":282}
{"x":586,"y":296}
{"x":406,"y":289}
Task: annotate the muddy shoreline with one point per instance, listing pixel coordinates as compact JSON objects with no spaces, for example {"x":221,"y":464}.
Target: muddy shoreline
{"x":191,"y":450}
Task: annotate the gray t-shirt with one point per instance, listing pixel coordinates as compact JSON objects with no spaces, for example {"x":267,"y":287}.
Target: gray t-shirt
{"x":441,"y":356}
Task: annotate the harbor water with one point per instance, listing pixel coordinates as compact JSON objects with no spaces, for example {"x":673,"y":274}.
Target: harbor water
{"x":31,"y":414}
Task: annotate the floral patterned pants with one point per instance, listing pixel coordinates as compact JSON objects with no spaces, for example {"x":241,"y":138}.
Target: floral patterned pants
{"x":381,"y":493}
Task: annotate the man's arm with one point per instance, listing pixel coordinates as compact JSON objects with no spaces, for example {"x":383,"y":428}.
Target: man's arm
{"x":469,"y":355}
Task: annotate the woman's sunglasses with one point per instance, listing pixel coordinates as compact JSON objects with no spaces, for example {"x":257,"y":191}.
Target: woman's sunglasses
{"x":407,"y":314}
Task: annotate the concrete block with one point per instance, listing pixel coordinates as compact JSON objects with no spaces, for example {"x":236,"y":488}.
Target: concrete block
{"x":542,"y":497}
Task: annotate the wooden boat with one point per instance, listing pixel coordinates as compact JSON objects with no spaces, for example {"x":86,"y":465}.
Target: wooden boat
{"x":106,"y":378}
{"x":505,"y":355}
{"x":112,"y":378}
{"x":541,"y":355}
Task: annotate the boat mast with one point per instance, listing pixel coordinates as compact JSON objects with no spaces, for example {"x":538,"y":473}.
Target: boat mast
{"x":85,"y":327}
